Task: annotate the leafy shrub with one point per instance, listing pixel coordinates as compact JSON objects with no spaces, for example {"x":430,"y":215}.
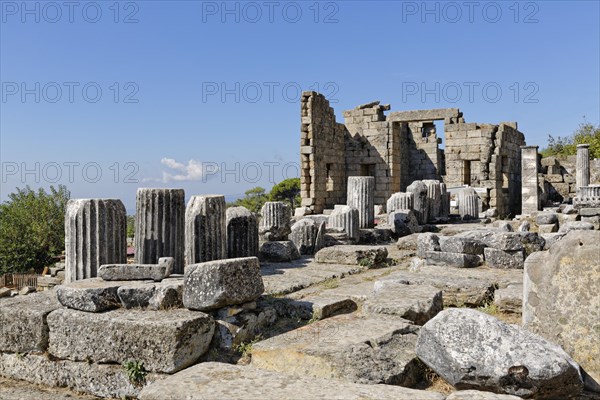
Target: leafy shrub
{"x":562,"y":146}
{"x":32,"y":229}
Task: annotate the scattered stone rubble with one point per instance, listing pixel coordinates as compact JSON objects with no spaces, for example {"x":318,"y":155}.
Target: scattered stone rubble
{"x":327,"y":305}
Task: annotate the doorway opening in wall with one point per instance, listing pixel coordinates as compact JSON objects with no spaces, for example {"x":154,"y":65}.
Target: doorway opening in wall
{"x":441,"y":133}
{"x":367,"y":169}
{"x":329,"y":178}
{"x":466,"y":172}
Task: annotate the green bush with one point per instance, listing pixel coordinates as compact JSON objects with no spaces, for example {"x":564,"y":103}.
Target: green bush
{"x":254,"y":200}
{"x":130,"y":226}
{"x":32,"y":229}
{"x":563,"y":146}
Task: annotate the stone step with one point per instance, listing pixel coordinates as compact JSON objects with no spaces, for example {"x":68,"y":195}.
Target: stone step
{"x":103,"y":380}
{"x":373,"y":349}
{"x":225,"y":381}
{"x":284,"y":278}
{"x":165,"y":341}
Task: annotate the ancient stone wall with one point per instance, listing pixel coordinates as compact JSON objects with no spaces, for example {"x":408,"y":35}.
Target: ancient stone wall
{"x":322,"y":151}
{"x":402,"y":147}
{"x":557,"y":178}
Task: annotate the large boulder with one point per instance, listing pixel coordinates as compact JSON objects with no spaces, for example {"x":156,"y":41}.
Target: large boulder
{"x":278,"y":251}
{"x":562,"y":296}
{"x":403,"y":222}
{"x":473,"y":350}
{"x":215,"y":284}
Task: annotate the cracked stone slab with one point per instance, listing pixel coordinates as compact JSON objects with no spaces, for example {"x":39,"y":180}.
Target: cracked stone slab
{"x":165,"y":341}
{"x":91,"y":295}
{"x":212,"y":380}
{"x":416,"y":303}
{"x":284,"y":278}
{"x":23,"y":322}
{"x":360,"y":349}
{"x":472,"y":287}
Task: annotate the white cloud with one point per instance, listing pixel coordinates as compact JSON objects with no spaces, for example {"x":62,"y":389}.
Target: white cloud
{"x":193,"y":171}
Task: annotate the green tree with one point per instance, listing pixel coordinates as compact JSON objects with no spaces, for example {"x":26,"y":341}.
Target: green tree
{"x":32,"y":228}
{"x":287,"y":190}
{"x":130,"y":226}
{"x":562,"y":146}
{"x":254,"y":199}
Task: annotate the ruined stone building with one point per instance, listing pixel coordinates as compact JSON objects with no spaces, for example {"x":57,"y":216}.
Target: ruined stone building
{"x":401,"y":147}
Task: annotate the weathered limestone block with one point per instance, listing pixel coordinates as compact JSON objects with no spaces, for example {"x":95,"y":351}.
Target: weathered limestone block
{"x":576,"y":226}
{"x":503,"y":259}
{"x":361,"y":191}
{"x":360,"y":255}
{"x":473,"y":350}
{"x":427,"y":242}
{"x":403,"y":222}
{"x":468,"y":204}
{"x":582,"y":177}
{"x":23,"y":326}
{"x":373,"y":349}
{"x":95,"y":234}
{"x":416,"y":303}
{"x":546,"y":218}
{"x":346,"y":218}
{"x":400,"y":201}
{"x":530,"y":202}
{"x":226,"y":381}
{"x":102,"y":380}
{"x":159,"y":226}
{"x":135,"y":272}
{"x":595,"y":221}
{"x":456,"y":244}
{"x":205,"y":230}
{"x":219,"y":283}
{"x":304,"y":235}
{"x":242,"y":233}
{"x":275,"y":221}
{"x":164,"y":295}
{"x":479,"y":395}
{"x":419,"y":191}
{"x":458,"y":260}
{"x":280,"y":251}
{"x":510,"y":298}
{"x":561,"y":296}
{"x":434,"y":199}
{"x":91,"y":295}
{"x":165,"y":341}
{"x":550,"y":228}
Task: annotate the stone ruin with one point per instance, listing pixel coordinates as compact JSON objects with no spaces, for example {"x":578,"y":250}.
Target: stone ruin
{"x":404,"y":146}
{"x":385,"y":286}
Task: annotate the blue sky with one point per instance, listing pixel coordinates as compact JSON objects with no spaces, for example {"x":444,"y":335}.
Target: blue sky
{"x":204,"y":95}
